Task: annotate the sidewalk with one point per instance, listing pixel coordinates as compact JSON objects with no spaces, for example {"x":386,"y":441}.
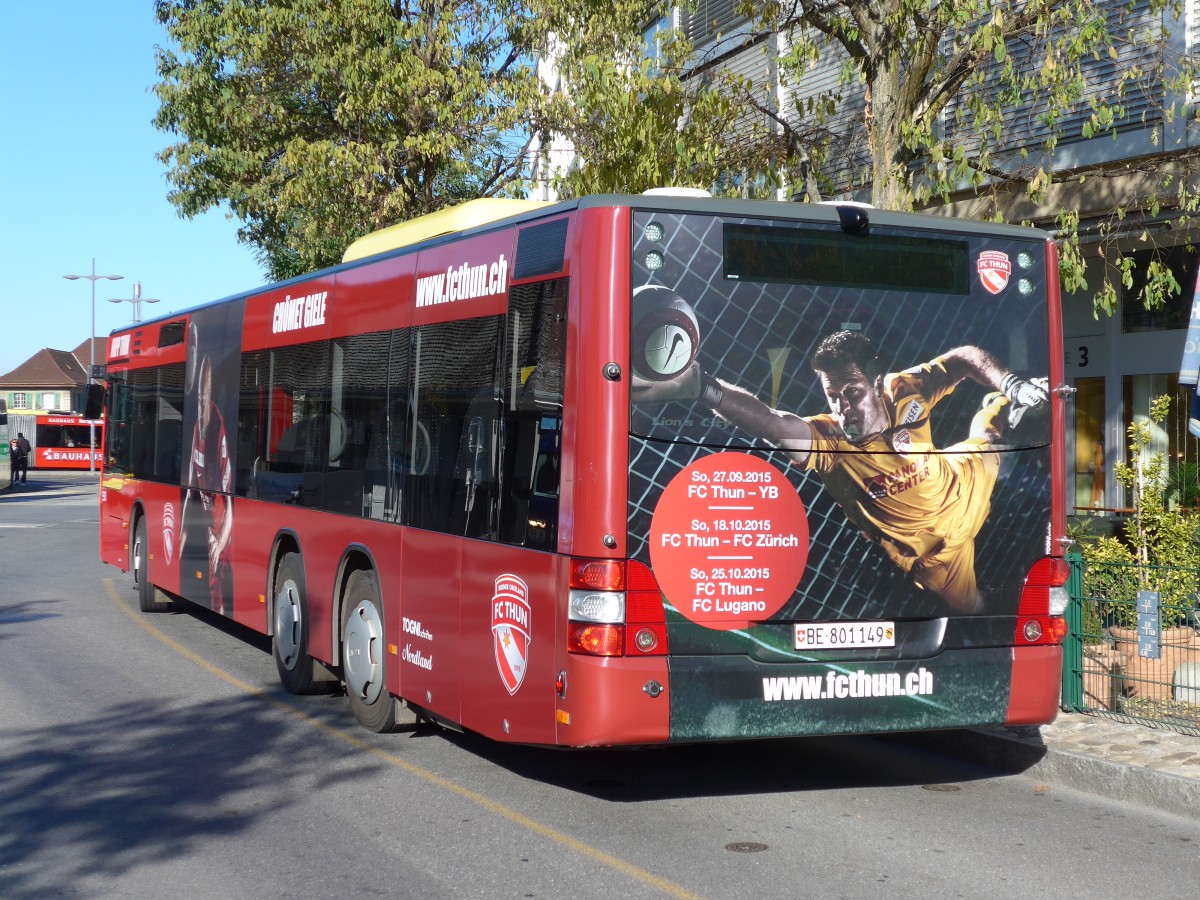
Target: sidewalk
{"x":51,"y":482}
{"x":1149,"y":767}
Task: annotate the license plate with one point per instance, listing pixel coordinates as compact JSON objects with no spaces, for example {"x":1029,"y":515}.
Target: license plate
{"x":845,"y":635}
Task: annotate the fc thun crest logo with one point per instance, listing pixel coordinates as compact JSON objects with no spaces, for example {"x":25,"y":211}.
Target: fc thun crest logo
{"x":511,"y":630}
{"x":994,"y":269}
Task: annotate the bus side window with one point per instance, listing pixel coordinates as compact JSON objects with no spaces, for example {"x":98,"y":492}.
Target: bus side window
{"x":116,"y":435}
{"x":146,"y":441}
{"x":142,"y":385}
{"x":533,"y":363}
{"x":454,"y":488}
{"x":169,"y":450}
{"x":283,"y":417}
{"x":359,"y":370}
{"x":398,"y":449}
{"x":168,"y":461}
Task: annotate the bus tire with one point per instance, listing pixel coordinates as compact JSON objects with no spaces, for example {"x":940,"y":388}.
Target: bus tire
{"x":289,"y":634}
{"x":148,"y":594}
{"x":364,"y":654}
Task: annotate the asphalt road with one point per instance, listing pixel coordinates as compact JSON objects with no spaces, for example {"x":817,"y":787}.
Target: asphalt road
{"x":150,"y":755}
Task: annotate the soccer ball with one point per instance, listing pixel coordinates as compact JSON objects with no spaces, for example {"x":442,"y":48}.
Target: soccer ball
{"x":665,"y":335}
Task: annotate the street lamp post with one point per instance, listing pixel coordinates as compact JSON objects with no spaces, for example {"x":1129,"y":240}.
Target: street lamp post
{"x":93,"y":278}
{"x":137,"y":300}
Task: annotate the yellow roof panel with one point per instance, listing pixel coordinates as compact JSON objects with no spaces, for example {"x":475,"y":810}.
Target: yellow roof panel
{"x":471,"y":214}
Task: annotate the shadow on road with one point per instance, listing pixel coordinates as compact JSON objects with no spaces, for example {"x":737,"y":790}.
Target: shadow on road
{"x":133,"y":786}
{"x":51,"y":483}
{"x":735,"y":769}
{"x":27,"y":611}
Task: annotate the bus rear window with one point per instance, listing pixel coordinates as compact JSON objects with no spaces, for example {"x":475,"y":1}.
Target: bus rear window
{"x":814,"y":256}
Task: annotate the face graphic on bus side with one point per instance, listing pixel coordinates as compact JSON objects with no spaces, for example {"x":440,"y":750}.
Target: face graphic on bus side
{"x":204,"y":394}
{"x":855,"y":401}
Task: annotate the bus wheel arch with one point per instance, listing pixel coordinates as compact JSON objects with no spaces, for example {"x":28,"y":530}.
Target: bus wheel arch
{"x":150,"y":598}
{"x":355,"y":557}
{"x":285,"y":543}
{"x":363,"y":652}
{"x":291,"y":624}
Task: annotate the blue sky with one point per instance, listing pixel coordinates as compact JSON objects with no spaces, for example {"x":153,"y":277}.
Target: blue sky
{"x":80,"y":180}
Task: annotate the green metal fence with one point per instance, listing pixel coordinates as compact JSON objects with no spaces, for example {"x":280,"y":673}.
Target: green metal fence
{"x":1133,"y":648}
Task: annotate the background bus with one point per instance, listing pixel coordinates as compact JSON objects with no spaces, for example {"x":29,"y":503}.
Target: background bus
{"x":566,"y":474}
{"x":5,"y":462}
{"x":58,"y":440}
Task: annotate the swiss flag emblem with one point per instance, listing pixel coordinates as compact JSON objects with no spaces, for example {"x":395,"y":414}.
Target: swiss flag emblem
{"x":994,"y":268}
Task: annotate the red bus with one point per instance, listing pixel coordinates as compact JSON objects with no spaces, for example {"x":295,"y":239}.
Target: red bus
{"x":61,"y":440}
{"x":621,"y":470}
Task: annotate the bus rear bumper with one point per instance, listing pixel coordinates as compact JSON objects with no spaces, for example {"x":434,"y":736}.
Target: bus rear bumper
{"x":735,"y":697}
{"x":614,"y":701}
{"x":1036,"y":683}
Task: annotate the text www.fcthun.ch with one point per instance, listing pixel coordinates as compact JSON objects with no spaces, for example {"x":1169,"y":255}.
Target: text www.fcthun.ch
{"x":840,"y":685}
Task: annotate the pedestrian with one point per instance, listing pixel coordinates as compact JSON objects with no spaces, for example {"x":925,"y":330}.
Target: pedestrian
{"x":26,"y":450}
{"x":19,"y":450}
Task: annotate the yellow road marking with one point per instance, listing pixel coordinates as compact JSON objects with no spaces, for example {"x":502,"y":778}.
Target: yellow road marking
{"x":619,"y":865}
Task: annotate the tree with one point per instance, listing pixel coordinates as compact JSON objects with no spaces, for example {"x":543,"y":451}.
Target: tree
{"x":981,"y":93}
{"x":316,"y":123}
{"x":629,"y":107}
{"x":921,"y":101}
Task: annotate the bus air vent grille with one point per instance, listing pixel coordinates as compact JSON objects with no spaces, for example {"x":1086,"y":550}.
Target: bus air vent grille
{"x":541,"y":249}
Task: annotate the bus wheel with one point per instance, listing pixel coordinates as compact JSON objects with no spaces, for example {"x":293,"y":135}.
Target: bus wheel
{"x":363,"y":653}
{"x":289,"y":636}
{"x":148,"y":595}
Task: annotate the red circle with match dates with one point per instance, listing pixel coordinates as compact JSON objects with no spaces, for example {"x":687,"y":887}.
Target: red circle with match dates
{"x":729,"y":541}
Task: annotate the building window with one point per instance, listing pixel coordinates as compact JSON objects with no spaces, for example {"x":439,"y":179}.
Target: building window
{"x":1176,"y":311}
{"x":20,"y":400}
{"x":712,"y":17}
{"x":1171,"y":437}
{"x":1090,"y":452}
{"x":652,"y":38}
{"x":49,"y":401}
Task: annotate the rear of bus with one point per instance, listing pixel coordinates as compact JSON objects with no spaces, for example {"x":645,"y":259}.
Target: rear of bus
{"x":868,"y":543}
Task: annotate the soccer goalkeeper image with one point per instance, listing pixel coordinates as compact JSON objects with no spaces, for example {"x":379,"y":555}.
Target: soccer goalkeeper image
{"x":874,"y":450}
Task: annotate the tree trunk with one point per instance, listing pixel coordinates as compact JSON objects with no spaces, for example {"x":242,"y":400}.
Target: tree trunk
{"x":885,"y":115}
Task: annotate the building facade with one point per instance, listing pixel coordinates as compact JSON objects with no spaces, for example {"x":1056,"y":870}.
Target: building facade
{"x":50,"y":381}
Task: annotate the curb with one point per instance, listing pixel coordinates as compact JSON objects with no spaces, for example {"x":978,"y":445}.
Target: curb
{"x":1123,"y":782}
{"x":1026,"y":753}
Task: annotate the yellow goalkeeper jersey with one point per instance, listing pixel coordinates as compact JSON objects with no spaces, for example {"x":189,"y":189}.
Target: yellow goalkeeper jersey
{"x":896,"y":486}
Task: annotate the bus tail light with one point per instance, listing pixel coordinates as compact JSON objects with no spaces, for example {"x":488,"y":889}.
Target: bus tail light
{"x":615,"y":609}
{"x":598,"y":574}
{"x":596,"y":640}
{"x":645,"y":618}
{"x":1040,"y":617}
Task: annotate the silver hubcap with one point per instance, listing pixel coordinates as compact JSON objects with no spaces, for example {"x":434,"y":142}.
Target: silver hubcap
{"x":362,"y":652}
{"x":137,"y":560}
{"x":287,"y":623}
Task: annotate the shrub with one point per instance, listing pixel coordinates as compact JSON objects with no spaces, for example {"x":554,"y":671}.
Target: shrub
{"x":1159,"y":551}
